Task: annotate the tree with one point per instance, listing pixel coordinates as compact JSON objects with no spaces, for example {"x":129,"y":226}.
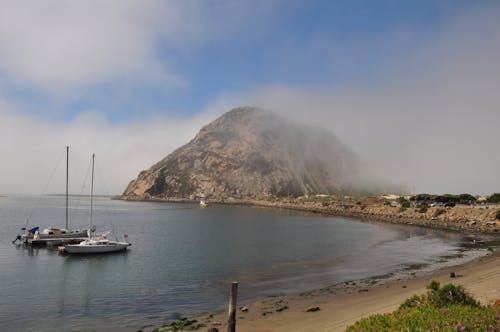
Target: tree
{"x":495,"y":198}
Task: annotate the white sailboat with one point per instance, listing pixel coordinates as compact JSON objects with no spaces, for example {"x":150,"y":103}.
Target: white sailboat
{"x":51,"y":232}
{"x":96,"y":243}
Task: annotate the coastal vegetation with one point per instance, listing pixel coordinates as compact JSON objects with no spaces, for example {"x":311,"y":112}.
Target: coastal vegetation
{"x":495,"y":198}
{"x":443,"y":308}
{"x":447,"y":198}
{"x":404,"y":202}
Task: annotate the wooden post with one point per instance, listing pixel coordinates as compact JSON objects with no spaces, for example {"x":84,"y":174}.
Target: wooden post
{"x":233,"y":294}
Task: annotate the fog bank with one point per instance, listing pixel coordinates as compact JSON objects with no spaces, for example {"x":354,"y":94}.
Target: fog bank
{"x":432,"y":122}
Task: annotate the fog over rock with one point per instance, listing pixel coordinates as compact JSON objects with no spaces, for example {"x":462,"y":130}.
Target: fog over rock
{"x":253,"y":153}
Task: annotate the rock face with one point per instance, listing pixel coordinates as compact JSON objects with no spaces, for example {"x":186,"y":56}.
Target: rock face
{"x":250,"y":153}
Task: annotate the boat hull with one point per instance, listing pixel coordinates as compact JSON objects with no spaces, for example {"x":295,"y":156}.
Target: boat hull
{"x":95,"y":249}
{"x":29,"y":238}
{"x":83,"y":233}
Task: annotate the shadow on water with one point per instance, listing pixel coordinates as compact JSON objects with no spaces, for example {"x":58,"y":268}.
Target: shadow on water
{"x":96,"y":256}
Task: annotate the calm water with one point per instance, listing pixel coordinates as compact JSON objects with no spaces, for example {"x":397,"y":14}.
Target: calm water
{"x":182,"y":259}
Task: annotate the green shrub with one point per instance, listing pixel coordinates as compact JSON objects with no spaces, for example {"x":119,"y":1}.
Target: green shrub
{"x":433,"y":285}
{"x":213,"y":329}
{"x":430,"y":318}
{"x":446,"y":308}
{"x":412,"y":302}
{"x":447,"y":198}
{"x":423,"y":198}
{"x":404,"y":202}
{"x":466,"y":198}
{"x":495,"y":198}
{"x":449,"y":294}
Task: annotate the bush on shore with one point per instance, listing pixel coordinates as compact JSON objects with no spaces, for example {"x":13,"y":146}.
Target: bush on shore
{"x":495,"y":198}
{"x":447,"y":198}
{"x":404,"y":202}
{"x":446,"y":308}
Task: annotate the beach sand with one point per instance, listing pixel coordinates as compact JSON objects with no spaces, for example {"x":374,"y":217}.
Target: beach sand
{"x":342,"y":305}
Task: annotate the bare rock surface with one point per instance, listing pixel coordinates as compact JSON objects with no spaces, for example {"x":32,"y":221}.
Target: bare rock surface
{"x":251,"y":153}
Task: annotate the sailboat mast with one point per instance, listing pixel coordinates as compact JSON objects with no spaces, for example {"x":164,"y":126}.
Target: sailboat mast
{"x":91,"y":193}
{"x":67,"y":180}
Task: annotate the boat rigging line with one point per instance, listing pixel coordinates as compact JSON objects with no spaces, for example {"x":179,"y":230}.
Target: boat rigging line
{"x":37,"y":202}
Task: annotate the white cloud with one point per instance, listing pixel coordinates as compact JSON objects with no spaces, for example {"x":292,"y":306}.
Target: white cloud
{"x":31,"y":149}
{"x":59,"y":46}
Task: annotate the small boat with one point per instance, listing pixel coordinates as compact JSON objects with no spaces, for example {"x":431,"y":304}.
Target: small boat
{"x":59,"y":233}
{"x":34,"y":233}
{"x":96,"y":243}
{"x":203,"y":203}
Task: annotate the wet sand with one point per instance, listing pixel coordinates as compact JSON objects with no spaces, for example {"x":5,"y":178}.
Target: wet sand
{"x":342,"y":305}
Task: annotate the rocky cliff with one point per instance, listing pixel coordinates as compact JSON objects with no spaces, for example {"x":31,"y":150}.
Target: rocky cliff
{"x":251,"y":153}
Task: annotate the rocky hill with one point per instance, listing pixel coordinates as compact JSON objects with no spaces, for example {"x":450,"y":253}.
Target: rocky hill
{"x":251,"y":153}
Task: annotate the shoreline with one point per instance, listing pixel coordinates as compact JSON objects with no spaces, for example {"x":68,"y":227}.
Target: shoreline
{"x":475,"y":220}
{"x":343,"y":304}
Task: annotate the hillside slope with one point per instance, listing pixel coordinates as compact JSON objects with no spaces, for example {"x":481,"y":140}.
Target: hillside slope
{"x":251,"y":153}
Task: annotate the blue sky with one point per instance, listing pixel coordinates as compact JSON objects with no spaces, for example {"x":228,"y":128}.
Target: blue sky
{"x":300,"y":43}
{"x":132,"y":80}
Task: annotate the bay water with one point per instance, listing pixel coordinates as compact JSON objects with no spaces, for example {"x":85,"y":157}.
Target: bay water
{"x":183,"y":258}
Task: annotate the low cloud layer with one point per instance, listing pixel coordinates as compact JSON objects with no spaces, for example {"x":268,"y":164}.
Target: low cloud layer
{"x":33,"y":150}
{"x":432,"y":124}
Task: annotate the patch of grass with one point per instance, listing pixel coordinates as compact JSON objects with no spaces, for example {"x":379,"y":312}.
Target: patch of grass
{"x":446,"y":308}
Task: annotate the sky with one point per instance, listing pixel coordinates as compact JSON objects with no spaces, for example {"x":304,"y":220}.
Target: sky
{"x":411,"y":86}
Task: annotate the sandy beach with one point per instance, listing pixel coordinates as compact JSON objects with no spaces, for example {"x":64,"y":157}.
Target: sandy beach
{"x":344,"y":304}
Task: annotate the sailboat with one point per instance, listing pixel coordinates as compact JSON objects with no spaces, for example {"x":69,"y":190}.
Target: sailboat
{"x":96,"y":243}
{"x":50,"y":232}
